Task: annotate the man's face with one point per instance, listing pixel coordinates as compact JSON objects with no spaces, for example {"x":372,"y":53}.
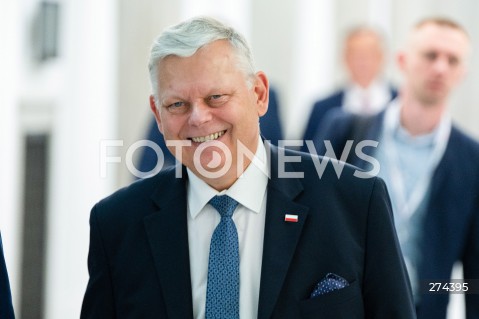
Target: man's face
{"x":434,"y":63}
{"x":207,"y":97}
{"x":364,"y":58}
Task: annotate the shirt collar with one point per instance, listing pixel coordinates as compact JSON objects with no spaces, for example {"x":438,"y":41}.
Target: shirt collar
{"x":377,"y":86}
{"x":366,"y":101}
{"x":393,"y":128}
{"x":248,"y":189}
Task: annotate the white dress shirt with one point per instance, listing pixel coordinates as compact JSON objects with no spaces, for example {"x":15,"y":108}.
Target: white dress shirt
{"x":249,"y":217}
{"x":367,"y":101}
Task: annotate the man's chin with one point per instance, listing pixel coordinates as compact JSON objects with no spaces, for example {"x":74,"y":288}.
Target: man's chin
{"x":434,"y":98}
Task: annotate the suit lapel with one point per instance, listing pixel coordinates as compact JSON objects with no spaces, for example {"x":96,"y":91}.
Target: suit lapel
{"x":280,"y":237}
{"x":436,"y":220}
{"x":168,"y":236}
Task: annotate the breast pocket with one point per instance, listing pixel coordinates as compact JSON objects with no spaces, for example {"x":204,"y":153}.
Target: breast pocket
{"x":343,"y":303}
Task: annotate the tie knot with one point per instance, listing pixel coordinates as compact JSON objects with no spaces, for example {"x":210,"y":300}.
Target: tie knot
{"x":224,"y":204}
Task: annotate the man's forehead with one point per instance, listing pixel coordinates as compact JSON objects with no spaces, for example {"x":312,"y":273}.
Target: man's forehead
{"x":438,"y":33}
{"x":431,"y":37}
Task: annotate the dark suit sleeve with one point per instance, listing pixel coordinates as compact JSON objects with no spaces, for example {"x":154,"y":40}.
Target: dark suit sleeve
{"x":386,"y":287}
{"x":318,"y":111}
{"x":471,"y":264}
{"x":335,"y":129}
{"x":98,"y":300}
{"x":6,"y":308}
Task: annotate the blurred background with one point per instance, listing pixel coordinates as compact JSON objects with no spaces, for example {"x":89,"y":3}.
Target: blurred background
{"x":74,"y":99}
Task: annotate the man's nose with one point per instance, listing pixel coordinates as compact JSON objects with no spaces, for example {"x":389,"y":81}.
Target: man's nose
{"x":200,"y":114}
{"x":441,"y":65}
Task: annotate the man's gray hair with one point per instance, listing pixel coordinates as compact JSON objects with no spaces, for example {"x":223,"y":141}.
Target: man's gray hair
{"x":185,"y":38}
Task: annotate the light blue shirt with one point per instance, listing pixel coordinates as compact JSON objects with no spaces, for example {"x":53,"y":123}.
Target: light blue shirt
{"x":414,"y":158}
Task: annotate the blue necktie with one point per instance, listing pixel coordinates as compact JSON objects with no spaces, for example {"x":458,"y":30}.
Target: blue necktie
{"x":222,"y":290}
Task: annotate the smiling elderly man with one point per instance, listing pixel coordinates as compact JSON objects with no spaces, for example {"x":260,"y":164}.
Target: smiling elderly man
{"x":229,"y":237}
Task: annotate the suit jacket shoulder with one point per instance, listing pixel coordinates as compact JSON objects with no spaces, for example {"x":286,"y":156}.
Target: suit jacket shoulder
{"x":138,"y":251}
{"x":340,"y":126}
{"x":319,"y":109}
{"x":127,"y":201}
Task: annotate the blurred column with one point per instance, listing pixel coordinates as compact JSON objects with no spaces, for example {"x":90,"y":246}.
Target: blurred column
{"x":465,"y":108}
{"x":313,"y":54}
{"x":292,"y":44}
{"x":85,"y":114}
{"x":236,"y":13}
{"x":139,"y":23}
{"x":10,"y":37}
{"x":380,"y":14}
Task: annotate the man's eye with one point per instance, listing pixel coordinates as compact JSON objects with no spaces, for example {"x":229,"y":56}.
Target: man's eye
{"x":216,"y":100}
{"x":177,"y":107}
{"x":453,"y":61}
{"x":431,"y":56}
{"x":215,"y":97}
{"x":176,"y":104}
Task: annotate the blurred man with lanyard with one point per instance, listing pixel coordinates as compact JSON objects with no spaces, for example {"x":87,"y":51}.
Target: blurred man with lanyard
{"x":429,"y":165}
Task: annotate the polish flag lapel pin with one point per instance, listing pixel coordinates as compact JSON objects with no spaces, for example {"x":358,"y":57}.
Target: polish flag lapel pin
{"x":291,"y":218}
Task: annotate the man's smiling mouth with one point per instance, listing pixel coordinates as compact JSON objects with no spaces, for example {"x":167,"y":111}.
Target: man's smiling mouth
{"x":211,"y":137}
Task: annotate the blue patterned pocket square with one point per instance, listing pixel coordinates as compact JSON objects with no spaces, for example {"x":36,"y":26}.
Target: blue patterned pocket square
{"x":328,"y":284}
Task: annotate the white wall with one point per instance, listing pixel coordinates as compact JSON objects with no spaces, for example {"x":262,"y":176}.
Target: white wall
{"x":9,"y":138}
{"x":73,"y":97}
{"x":85,"y":114}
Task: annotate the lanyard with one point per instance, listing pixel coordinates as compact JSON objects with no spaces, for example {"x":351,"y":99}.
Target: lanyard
{"x":407,"y":205}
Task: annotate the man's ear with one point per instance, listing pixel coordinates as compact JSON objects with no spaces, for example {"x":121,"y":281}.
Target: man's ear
{"x":156,"y":112}
{"x":261,"y":90}
{"x":401,"y":60}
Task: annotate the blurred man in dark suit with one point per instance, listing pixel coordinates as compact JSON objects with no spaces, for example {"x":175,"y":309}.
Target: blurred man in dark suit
{"x":366,"y":91}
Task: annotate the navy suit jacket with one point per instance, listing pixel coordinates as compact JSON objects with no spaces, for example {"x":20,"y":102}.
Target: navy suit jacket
{"x":139,"y":259}
{"x":6,"y":308}
{"x":451,"y":224}
{"x":322,"y":107}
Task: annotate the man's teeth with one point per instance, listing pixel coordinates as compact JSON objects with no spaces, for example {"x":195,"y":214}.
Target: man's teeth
{"x":206,"y":138}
